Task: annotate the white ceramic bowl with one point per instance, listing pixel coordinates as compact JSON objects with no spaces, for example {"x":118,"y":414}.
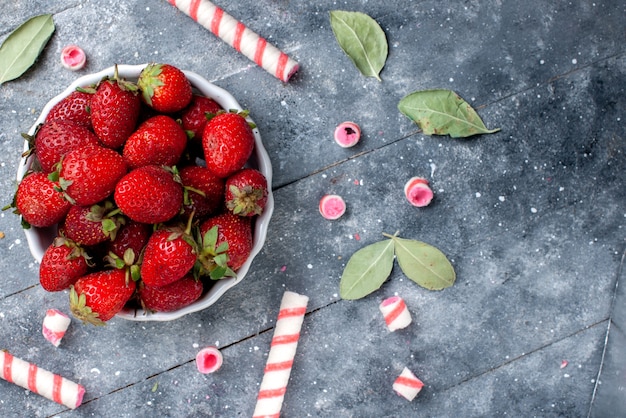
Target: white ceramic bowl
{"x":40,"y":238}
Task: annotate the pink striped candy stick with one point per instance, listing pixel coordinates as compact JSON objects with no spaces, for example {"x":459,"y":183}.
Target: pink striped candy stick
{"x":237,"y":35}
{"x":282,"y":353}
{"x":40,"y":381}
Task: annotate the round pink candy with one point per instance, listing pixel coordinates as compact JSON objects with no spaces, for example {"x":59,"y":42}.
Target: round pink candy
{"x":417,"y":192}
{"x":209,"y":359}
{"x":347,"y":134}
{"x":73,"y":57}
{"x":332,"y":206}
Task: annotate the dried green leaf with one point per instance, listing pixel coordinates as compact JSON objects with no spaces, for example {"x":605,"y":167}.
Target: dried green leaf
{"x":443,"y":112}
{"x":424,"y":264}
{"x":22,"y":47}
{"x":367,"y":270}
{"x":362,"y":39}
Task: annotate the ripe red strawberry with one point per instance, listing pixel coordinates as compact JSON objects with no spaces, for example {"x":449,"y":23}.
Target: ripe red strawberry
{"x":149,"y":194}
{"x":199,"y":179}
{"x":171,"y":297}
{"x":158,"y":141}
{"x":132,"y":235}
{"x":97,"y":297}
{"x":169,"y":255}
{"x":228,"y":142}
{"x":91,"y":225}
{"x":89,"y":174}
{"x":246,"y":192}
{"x":39,"y":200}
{"x":164,"y":88}
{"x":74,"y":108}
{"x":115,"y":110}
{"x":235,"y":231}
{"x":194,"y":117}
{"x":62,"y":264}
{"x":56,"y":138}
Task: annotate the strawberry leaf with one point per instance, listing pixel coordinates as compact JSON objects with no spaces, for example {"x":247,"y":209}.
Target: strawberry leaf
{"x":218,"y":272}
{"x":222,"y":248}
{"x":209,"y":241}
{"x":221,"y":259}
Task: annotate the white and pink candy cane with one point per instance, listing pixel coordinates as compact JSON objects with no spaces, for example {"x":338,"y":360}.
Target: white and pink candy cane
{"x":40,"y":381}
{"x":407,"y":385}
{"x":397,"y":315}
{"x":55,"y":323}
{"x":237,"y":35}
{"x":281,"y":355}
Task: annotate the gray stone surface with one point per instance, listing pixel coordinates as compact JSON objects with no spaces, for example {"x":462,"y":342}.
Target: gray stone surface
{"x":532,"y":217}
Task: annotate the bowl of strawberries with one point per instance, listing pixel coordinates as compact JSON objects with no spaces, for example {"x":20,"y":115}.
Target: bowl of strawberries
{"x":144,"y":192}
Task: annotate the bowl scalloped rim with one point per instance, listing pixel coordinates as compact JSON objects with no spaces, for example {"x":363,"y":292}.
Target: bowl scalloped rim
{"x":40,"y":238}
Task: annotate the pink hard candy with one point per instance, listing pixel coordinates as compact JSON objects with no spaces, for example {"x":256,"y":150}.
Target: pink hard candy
{"x":73,"y":58}
{"x":332,"y":206}
{"x":417,"y":192}
{"x":209,"y":359}
{"x":347,"y":134}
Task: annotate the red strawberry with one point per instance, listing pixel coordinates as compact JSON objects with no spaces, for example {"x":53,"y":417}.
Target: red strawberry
{"x":89,"y":174}
{"x":132,"y":235}
{"x":76,"y":107}
{"x":39,"y":200}
{"x":91,"y":225}
{"x":164,"y":88}
{"x":62,"y":264}
{"x":233,"y":230}
{"x":171,"y":297}
{"x":114,"y":111}
{"x":228,"y":142}
{"x":246,"y":192}
{"x":169,"y":255}
{"x":149,"y":194}
{"x":56,"y":138}
{"x":158,"y":141}
{"x":194,"y":117}
{"x":204,"y":191}
{"x":97,"y":297}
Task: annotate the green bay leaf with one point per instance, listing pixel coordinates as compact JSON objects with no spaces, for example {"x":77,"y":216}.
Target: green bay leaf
{"x":443,"y":112}
{"x":424,"y":264}
{"x":362,"y":39}
{"x":367,"y":270}
{"x":20,"y":49}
